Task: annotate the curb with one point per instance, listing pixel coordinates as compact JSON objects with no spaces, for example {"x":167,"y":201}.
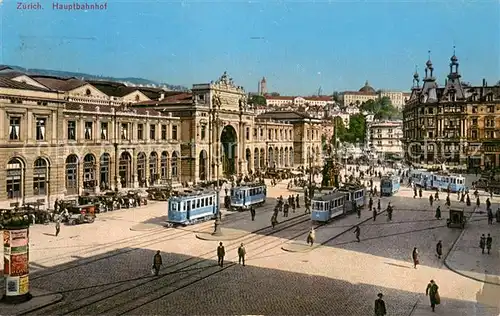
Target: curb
{"x":452,"y":248}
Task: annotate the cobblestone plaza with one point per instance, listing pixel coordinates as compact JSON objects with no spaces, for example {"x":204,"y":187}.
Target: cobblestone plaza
{"x":104,"y":268}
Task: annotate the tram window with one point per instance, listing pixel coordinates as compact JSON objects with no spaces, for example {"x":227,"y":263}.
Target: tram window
{"x":202,"y":202}
{"x":211,"y":200}
{"x":197,"y":203}
{"x":188,"y":205}
{"x":174,"y":206}
{"x":183,"y":206}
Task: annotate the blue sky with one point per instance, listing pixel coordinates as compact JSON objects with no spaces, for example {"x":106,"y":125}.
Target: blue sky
{"x":305,"y":45}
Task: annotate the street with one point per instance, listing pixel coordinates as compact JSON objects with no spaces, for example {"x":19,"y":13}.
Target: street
{"x":104,"y":268}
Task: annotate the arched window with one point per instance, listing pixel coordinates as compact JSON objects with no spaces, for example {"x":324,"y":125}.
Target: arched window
{"x":125,"y":169}
{"x":153,"y":168}
{"x":72,"y":175}
{"x":164,"y":165}
{"x":14,"y":178}
{"x":89,"y":172}
{"x":175,"y":165}
{"x":104,"y":163}
{"x":40,"y":177}
{"x":141,"y":169}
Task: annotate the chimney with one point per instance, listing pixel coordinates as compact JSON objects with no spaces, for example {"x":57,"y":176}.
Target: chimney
{"x":162,"y":96}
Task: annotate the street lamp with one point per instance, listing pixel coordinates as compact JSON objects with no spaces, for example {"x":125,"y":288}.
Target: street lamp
{"x":218,"y":216}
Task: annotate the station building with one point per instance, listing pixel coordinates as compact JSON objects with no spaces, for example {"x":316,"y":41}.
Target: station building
{"x":61,"y":137}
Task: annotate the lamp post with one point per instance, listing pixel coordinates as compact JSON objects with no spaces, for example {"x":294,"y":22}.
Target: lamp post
{"x":218,"y":216}
{"x":311,"y":194}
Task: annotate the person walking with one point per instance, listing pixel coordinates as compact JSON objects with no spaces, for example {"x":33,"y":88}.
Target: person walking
{"x":157,"y":262}
{"x":432,"y":292}
{"x":221,"y":252}
{"x":357,"y":231}
{"x":241,"y":254}
{"x":438,"y":212}
{"x":297,"y":201}
{"x":380,"y":309}
{"x":414,"y":256}
{"x":482,"y":243}
{"x":431,"y":200}
{"x":58,"y":226}
{"x":378,"y":205}
{"x":374,"y":214}
{"x":439,"y":249}
{"x":490,"y":216}
{"x":489,"y":241}
{"x":311,"y":237}
{"x":252,"y":213}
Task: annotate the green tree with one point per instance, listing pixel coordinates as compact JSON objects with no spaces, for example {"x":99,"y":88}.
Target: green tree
{"x":257,"y":100}
{"x":340,"y":131}
{"x":357,"y":128}
{"x":275,"y":94}
{"x":382,"y":109}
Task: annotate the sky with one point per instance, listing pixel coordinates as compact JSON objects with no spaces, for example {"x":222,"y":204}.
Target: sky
{"x":299,"y":46}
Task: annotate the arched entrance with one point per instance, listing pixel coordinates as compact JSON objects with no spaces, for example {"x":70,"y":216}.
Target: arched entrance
{"x":105,"y":167}
{"x":175,"y":166}
{"x":72,"y":175}
{"x":229,"y":143}
{"x":15,"y":178}
{"x":124,"y":170}
{"x":89,"y":171}
{"x":256,"y":160}
{"x":153,"y":168}
{"x":285,"y":158}
{"x":203,"y":165}
{"x":270,"y":157}
{"x":141,"y":169}
{"x":291,"y":158}
{"x":248,"y":156}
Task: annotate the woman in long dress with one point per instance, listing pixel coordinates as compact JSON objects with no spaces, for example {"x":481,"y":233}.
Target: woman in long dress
{"x":432,"y":291}
{"x":414,"y":256}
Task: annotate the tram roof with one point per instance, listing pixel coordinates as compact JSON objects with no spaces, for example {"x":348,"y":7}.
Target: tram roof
{"x":249,"y":185}
{"x":329,"y":196}
{"x":194,"y":192}
{"x":351,"y":187}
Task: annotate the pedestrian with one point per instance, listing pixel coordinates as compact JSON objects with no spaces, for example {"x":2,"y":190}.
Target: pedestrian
{"x":431,"y":199}
{"x":432,"y":292}
{"x":439,"y":249}
{"x":478,"y":202}
{"x":311,"y":237}
{"x":58,"y":227}
{"x":285,"y":210}
{"x":357,"y":208}
{"x":389,"y":212}
{"x":438,"y":212}
{"x":374,"y":214}
{"x":467,"y":201}
{"x":414,"y":256}
{"x":448,"y":201}
{"x":420,"y":193}
{"x":357,"y":231}
{"x":415,"y":192}
{"x":370,"y":203}
{"x":241,"y":254}
{"x":297,"y":201}
{"x":274,"y":220}
{"x":252,"y":213}
{"x":378,"y":205}
{"x":157,"y":262}
{"x":380,"y":309}
{"x":490,"y":216}
{"x":489,"y":241}
{"x":488,"y":203}
{"x":221,"y":252}
{"x":482,"y":243}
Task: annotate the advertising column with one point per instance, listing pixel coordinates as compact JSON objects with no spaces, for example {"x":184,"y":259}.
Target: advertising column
{"x":16,"y":264}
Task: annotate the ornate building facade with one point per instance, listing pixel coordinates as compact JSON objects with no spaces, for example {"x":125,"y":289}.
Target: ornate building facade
{"x":457,"y":124}
{"x":60,"y":137}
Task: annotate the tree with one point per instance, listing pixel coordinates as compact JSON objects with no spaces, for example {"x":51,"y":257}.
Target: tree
{"x":382,"y":109}
{"x":257,"y":100}
{"x":336,"y":96}
{"x":339,"y":131}
{"x":275,"y":94}
{"x":357,"y":128}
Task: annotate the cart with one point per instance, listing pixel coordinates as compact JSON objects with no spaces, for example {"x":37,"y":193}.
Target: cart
{"x":457,"y":219}
{"x":80,"y":214}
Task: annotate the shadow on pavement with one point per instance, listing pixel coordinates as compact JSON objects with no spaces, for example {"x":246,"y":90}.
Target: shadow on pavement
{"x":123,"y":284}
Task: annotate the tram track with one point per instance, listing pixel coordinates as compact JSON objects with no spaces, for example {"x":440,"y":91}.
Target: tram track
{"x":178,"y":267}
{"x":151,"y":233}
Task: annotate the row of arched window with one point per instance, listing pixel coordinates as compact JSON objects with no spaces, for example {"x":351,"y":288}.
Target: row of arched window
{"x":160,"y":168}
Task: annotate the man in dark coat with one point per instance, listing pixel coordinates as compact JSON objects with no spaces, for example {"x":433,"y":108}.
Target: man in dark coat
{"x":157,"y":262}
{"x":241,"y":254}
{"x":482,"y":243}
{"x":357,"y":231}
{"x":374,"y":214}
{"x":221,"y":252}
{"x":438,"y":213}
{"x":439,"y":249}
{"x":432,"y":292}
{"x":252,"y":213}
{"x":489,"y":241}
{"x":380,"y":309}
{"x":58,"y":226}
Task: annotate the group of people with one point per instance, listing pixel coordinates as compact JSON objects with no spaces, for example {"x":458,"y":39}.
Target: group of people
{"x":292,"y":202}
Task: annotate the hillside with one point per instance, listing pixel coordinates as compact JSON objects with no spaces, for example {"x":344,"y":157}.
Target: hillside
{"x":130,"y":81}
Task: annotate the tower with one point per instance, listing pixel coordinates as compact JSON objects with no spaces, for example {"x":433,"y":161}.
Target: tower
{"x":263,"y":86}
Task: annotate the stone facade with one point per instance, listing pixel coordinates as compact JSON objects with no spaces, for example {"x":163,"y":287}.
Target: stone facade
{"x":457,"y":124}
{"x":386,"y":137}
{"x":61,"y":137}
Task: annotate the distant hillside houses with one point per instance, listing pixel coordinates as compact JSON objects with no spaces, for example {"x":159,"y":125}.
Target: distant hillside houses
{"x":299,"y":101}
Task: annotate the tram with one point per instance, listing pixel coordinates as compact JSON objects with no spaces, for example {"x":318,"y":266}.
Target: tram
{"x":326,"y":207}
{"x":247,"y":195}
{"x":389,"y":185}
{"x":355,"y":196}
{"x":421,"y":178}
{"x":445,"y":181}
{"x":192,"y":206}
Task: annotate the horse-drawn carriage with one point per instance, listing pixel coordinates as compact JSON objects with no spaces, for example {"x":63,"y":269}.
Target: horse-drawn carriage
{"x":159,"y":193}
